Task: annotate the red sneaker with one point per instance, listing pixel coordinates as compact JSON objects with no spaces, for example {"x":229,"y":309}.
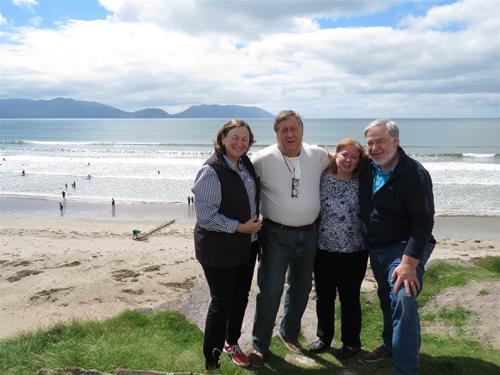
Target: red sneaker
{"x":238,"y":357}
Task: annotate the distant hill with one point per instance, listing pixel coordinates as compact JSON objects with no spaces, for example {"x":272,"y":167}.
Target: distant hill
{"x":224,"y":111}
{"x":70,"y":108}
{"x":149,"y":113}
{"x":58,"y":107}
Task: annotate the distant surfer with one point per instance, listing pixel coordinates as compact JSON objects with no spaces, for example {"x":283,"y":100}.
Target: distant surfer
{"x":23,"y":173}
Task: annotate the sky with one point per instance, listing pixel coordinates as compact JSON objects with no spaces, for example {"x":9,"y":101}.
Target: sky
{"x":324,"y":59}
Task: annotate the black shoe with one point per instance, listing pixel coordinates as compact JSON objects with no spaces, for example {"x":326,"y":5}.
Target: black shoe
{"x":318,"y":347}
{"x":257,"y":359}
{"x":377,"y":355}
{"x":346,"y":352}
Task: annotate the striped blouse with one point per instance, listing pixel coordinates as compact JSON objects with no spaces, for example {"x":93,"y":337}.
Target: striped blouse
{"x":208,"y":196}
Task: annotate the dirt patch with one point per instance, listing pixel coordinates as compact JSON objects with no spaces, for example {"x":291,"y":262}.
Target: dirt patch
{"x":136,"y":292}
{"x":70,"y":264}
{"x":123,"y":275}
{"x":481,"y":298}
{"x":22,"y":274}
{"x":21,"y":263}
{"x":152,"y":268}
{"x":186,"y":284}
{"x":48,"y":294}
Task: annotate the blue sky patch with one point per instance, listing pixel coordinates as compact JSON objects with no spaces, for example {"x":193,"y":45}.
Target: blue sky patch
{"x":49,"y":13}
{"x":388,"y":17}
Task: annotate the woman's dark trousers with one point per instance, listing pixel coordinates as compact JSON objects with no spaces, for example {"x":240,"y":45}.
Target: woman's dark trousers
{"x":342,"y":272}
{"x":229,"y":288}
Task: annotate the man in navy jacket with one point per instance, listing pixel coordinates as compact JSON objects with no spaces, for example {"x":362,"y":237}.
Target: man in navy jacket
{"x":397,"y":212}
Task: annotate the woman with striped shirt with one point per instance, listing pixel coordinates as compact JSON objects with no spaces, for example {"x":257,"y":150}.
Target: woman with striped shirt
{"x":226,"y":195}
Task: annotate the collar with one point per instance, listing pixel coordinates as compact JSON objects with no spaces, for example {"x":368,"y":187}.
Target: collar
{"x":380,"y":171}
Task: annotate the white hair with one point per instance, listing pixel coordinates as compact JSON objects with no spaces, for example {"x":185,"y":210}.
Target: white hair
{"x":390,"y":126}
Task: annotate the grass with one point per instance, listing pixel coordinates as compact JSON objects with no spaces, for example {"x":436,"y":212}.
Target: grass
{"x":490,"y":263}
{"x":442,"y":276}
{"x":163,"y":341}
{"x":456,"y":318}
{"x":167,"y":342}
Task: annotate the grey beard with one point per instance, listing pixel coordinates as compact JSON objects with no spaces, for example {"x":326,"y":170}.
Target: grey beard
{"x":386,"y":160}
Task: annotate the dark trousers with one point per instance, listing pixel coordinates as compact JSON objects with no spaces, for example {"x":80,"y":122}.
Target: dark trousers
{"x":342,"y":272}
{"x":229,"y":288}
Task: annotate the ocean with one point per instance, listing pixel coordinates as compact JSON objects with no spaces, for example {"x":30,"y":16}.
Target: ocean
{"x":154,"y":161}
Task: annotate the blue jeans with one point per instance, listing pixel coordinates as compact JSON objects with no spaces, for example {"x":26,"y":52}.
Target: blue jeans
{"x":283,"y":250}
{"x":401,"y":334}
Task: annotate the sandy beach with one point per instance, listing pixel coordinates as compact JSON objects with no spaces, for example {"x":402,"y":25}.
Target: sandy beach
{"x":56,"y":269}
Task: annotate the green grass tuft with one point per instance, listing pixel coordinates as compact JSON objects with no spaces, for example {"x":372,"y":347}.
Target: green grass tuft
{"x":441,"y":276}
{"x":163,"y":341}
{"x":490,"y":263}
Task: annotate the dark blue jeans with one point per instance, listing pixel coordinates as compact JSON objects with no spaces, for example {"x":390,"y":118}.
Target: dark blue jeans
{"x":285,"y":253}
{"x":401,"y":334}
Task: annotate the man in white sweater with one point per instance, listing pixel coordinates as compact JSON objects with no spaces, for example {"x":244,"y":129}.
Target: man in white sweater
{"x":290,"y":174}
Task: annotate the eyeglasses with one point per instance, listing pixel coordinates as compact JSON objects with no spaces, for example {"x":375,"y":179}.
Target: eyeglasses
{"x":295,"y":185}
{"x":346,"y":155}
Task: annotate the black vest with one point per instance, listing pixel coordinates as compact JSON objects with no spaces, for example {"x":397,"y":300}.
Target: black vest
{"x":220,"y":249}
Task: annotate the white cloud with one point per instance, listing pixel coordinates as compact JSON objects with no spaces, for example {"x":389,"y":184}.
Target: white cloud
{"x":35,"y":21}
{"x":458,"y":14}
{"x":362,"y":71}
{"x":244,"y":18}
{"x":26,"y":3}
{"x":3,"y":20}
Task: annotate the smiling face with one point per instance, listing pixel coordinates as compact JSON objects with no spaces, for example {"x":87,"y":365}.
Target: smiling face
{"x":236,"y":143}
{"x":289,"y":135}
{"x":347,"y":159}
{"x":382,"y":148}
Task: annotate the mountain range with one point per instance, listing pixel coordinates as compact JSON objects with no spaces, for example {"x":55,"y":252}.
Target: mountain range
{"x":71,"y":108}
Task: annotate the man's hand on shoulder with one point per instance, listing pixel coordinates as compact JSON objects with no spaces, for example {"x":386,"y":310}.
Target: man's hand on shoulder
{"x":406,"y":274}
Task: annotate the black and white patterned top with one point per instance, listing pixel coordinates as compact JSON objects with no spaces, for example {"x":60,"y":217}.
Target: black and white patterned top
{"x":340,"y":226}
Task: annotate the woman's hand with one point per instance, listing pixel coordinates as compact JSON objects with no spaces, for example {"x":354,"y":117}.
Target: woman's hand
{"x":253,"y":225}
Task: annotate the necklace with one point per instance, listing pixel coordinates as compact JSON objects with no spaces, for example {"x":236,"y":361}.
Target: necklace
{"x":289,"y":169}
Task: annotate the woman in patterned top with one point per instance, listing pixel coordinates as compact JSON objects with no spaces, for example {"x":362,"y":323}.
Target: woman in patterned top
{"x":341,"y":258}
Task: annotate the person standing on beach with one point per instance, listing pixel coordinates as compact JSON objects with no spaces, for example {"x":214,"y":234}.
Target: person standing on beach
{"x":226,"y":192}
{"x":290,"y":172}
{"x":63,"y":194}
{"x":397,"y":214}
{"x":342,"y":257}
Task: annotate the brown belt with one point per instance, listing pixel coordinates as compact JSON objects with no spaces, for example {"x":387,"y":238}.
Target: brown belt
{"x":288,"y":227}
